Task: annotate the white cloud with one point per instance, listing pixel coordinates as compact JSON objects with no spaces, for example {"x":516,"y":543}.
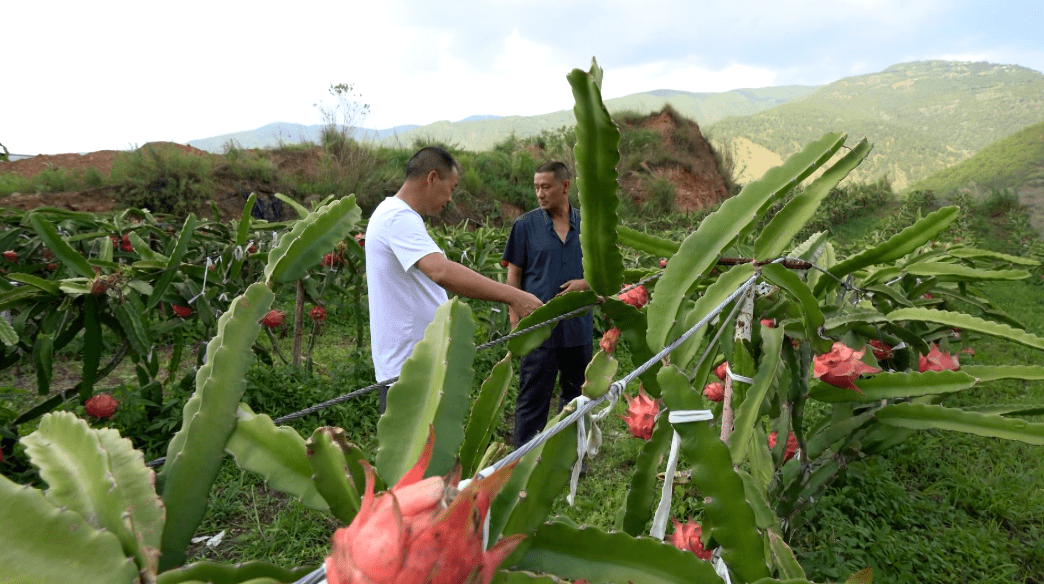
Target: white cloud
{"x":122,"y":72}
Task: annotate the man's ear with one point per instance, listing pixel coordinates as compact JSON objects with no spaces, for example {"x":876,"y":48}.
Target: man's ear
{"x":565,"y":185}
{"x":431,"y":177}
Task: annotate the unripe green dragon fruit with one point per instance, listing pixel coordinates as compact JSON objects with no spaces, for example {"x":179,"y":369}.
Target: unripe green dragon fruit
{"x":422,"y":531}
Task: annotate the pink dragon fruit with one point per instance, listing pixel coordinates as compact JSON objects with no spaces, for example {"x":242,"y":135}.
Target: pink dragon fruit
{"x":937,"y":360}
{"x":792,"y":445}
{"x":841,"y":367}
{"x":687,"y":537}
{"x":421,"y":531}
{"x":641,"y":415}
{"x":609,"y":340}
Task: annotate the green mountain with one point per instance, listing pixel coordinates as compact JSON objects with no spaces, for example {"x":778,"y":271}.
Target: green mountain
{"x":921,"y":117}
{"x":1010,"y":163}
{"x":704,"y":108}
{"x":1014,"y":163}
{"x":479,"y":133}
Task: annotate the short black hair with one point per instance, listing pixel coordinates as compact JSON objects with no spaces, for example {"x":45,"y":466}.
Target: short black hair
{"x":431,"y":158}
{"x":559,"y":169}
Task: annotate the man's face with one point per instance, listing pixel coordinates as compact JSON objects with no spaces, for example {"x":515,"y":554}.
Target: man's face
{"x":550,"y":192}
{"x":442,"y":191}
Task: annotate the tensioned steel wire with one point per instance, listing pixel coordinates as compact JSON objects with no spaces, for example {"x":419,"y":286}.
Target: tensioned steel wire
{"x":493,"y":343}
{"x":388,"y":382}
{"x":617,"y":387}
{"x":793,"y":263}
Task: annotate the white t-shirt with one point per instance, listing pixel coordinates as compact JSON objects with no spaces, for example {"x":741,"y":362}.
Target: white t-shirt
{"x":402,"y":298}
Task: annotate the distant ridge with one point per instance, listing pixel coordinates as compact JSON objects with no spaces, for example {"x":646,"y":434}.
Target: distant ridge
{"x":921,"y":117}
{"x":482,"y":132}
{"x":1014,"y":163}
{"x":280,"y":133}
{"x":704,"y":108}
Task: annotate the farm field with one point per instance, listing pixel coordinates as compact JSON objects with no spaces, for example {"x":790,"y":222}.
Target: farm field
{"x":895,"y":342}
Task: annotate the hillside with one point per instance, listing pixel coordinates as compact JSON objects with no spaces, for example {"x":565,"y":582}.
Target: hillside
{"x":1015,"y":163}
{"x":278,"y":134}
{"x":921,"y":117}
{"x":478,"y":133}
{"x":666,"y":165}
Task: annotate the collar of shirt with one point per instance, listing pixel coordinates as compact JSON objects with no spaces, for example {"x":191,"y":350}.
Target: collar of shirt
{"x":574,"y":218}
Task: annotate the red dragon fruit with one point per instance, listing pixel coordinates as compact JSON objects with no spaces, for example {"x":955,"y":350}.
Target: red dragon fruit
{"x":101,"y":406}
{"x":841,"y":366}
{"x":722,"y":370}
{"x":609,"y":340}
{"x":882,"y":351}
{"x":331,"y":260}
{"x":274,"y":319}
{"x":714,"y":391}
{"x":318,"y":313}
{"x":636,"y":297}
{"x":687,"y":537}
{"x":422,"y":531}
{"x":792,"y":445}
{"x":937,"y":360}
{"x":641,"y":415}
{"x":182,"y":311}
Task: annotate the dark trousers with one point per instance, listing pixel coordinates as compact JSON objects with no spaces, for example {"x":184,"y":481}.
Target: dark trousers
{"x":537,"y":383}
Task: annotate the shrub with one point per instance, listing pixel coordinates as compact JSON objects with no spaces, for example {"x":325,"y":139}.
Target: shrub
{"x":163,"y":178}
{"x":661,"y":197}
{"x":14,"y":183}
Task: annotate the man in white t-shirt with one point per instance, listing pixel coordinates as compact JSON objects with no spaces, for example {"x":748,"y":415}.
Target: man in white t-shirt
{"x":407,"y":275}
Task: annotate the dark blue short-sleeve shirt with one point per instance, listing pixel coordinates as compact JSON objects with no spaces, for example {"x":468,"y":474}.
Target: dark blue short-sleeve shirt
{"x":547,"y":262}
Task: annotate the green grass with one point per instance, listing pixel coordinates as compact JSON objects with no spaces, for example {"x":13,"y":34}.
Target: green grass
{"x":944,"y":506}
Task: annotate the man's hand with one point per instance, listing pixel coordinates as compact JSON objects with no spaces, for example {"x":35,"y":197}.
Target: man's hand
{"x":577,"y":285}
{"x":522,"y":307}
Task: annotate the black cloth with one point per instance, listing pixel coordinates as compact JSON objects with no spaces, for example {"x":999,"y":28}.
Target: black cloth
{"x":537,"y":383}
{"x":547,"y":262}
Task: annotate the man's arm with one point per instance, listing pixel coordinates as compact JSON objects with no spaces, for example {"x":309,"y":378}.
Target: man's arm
{"x":464,"y":281}
{"x":514,"y":279}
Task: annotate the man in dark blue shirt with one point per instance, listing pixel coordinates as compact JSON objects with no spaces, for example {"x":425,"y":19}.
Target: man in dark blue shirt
{"x":544,"y":258}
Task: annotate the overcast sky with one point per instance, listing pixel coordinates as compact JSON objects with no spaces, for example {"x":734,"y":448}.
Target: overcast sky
{"x":82,"y":76}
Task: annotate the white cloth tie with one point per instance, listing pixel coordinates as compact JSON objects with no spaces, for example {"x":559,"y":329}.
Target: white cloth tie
{"x":663,"y":510}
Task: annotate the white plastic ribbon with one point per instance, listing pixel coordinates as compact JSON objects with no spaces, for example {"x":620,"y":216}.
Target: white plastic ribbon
{"x":736,"y":377}
{"x":719,"y":566}
{"x":581,"y":450}
{"x":203,"y":290}
{"x":659,"y":525}
{"x":588,"y":442}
